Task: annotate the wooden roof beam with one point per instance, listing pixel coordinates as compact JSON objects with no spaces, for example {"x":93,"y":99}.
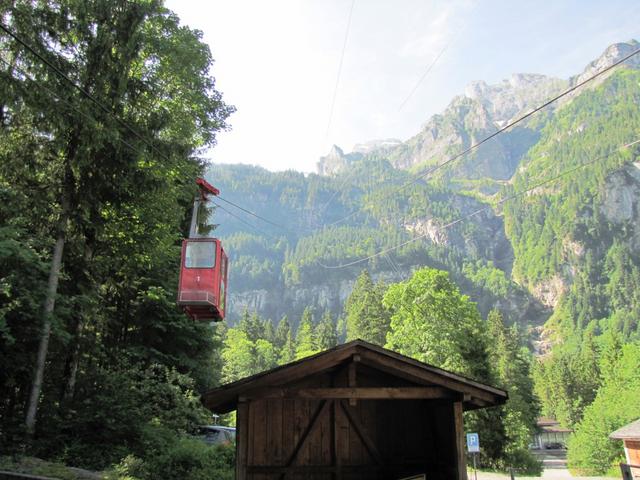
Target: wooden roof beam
{"x":415,"y":373}
{"x":360,"y":393}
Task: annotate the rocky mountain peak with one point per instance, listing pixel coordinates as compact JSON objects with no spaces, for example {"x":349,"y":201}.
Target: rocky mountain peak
{"x":335,"y":152}
{"x":506,"y":99}
{"x":335,"y":160}
{"x":611,"y":55}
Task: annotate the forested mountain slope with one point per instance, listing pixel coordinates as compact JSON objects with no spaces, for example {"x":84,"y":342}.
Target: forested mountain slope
{"x":279,"y":271}
{"x":359,"y":206}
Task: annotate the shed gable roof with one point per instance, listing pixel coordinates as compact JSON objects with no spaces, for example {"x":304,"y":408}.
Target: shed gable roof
{"x":628,"y":432}
{"x":474,"y":394}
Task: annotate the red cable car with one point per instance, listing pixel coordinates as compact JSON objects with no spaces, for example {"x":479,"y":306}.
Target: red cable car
{"x":202,"y":287}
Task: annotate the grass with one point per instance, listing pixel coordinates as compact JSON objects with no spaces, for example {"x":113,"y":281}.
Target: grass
{"x":36,"y":466}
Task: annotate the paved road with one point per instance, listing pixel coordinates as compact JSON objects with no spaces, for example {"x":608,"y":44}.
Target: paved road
{"x":549,"y":474}
{"x":555,"y":468}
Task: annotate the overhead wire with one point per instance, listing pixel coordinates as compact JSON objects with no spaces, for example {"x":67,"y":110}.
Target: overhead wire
{"x":424,"y":75}
{"x":253,"y":214}
{"x":392,"y":263}
{"x":483,"y":209}
{"x":344,"y":48}
{"x":472,"y":147}
{"x":434,"y":62}
{"x":415,"y":88}
{"x":334,"y":96}
{"x":240,"y":219}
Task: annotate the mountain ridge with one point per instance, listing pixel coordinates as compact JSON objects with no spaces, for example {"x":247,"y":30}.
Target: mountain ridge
{"x":484,"y":108}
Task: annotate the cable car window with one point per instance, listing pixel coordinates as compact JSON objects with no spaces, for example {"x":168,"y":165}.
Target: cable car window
{"x":223,"y":297}
{"x":200,"y":255}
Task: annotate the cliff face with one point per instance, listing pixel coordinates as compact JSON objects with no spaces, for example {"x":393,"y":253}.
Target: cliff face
{"x":336,"y":161}
{"x":478,"y":113}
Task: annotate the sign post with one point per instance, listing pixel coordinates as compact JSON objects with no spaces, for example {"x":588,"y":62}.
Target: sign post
{"x":473,"y":446}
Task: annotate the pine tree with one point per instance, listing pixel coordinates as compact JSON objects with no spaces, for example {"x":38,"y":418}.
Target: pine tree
{"x":366,"y":317}
{"x":511,"y":362}
{"x":269,"y":332}
{"x":288,"y":350}
{"x":252,"y":325}
{"x":326,"y":335}
{"x":282,"y":333}
{"x":305,"y":336}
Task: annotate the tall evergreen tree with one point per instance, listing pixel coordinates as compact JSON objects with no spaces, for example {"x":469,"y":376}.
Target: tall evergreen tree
{"x":305,"y":336}
{"x":326,"y":335}
{"x":511,"y":362}
{"x":252,"y":325}
{"x":269,"y":332}
{"x":282,"y":333}
{"x":366,"y":317}
{"x":288,"y":351}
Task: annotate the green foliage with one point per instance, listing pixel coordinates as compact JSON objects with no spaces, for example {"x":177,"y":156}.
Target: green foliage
{"x":434,"y":323}
{"x":178,"y":457}
{"x":306,"y":343}
{"x":121,"y":356}
{"x":567,"y":381}
{"x":366,"y":317}
{"x":541,"y":224}
{"x":617,"y":403}
{"x":326,"y":334}
{"x":488,"y":277}
{"x":245,"y":353}
{"x":564,"y":234}
{"x":511,"y":364}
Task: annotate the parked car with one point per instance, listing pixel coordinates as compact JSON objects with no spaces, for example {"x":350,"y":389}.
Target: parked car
{"x":216,"y":434}
{"x":553,"y":446}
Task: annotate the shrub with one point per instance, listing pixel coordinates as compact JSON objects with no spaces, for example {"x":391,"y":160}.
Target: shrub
{"x":173,"y":457}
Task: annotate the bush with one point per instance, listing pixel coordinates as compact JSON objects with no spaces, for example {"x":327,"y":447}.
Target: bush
{"x":182,"y":459}
{"x":124,"y":410}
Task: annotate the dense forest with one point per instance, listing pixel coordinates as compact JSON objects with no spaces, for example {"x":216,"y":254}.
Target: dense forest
{"x":97,"y":365}
{"x":104,"y":113}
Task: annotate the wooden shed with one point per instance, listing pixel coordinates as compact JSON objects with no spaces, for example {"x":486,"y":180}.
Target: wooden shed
{"x":356,"y":411}
{"x":630,"y":435}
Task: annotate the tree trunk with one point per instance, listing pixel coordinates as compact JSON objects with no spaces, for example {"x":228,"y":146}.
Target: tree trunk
{"x":49,"y":304}
{"x":71,"y":370}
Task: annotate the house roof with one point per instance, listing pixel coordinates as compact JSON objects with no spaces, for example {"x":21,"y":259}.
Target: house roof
{"x":628,"y":432}
{"x":474,"y":394}
{"x":551,"y":425}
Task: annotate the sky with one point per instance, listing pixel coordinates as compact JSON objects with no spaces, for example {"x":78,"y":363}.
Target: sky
{"x":278,"y":62}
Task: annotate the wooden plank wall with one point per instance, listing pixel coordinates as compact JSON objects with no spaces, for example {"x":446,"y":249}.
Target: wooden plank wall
{"x":410,"y":437}
{"x":633,"y":447}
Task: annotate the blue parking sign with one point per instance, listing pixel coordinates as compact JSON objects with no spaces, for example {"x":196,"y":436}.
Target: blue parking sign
{"x":473,"y":443}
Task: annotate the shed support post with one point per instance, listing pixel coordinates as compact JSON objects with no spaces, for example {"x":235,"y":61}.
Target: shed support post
{"x":461,"y":462}
{"x":335,"y":442}
{"x":242,"y":442}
